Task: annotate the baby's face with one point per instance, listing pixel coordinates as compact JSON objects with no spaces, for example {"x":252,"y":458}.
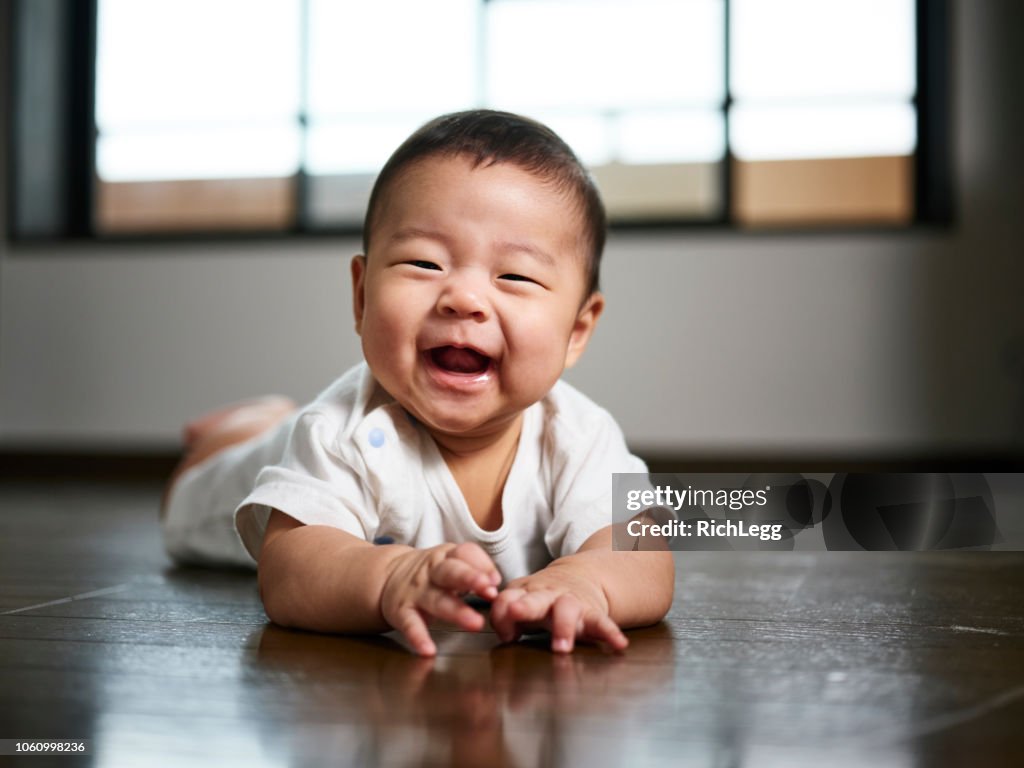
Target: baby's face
{"x":468,"y":303}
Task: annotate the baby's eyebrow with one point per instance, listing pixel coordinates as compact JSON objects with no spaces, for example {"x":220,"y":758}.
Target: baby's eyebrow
{"x":529,"y":249}
{"x":411,"y":233}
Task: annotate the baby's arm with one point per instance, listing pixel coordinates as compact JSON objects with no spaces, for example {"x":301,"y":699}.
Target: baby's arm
{"x":324,"y":579}
{"x":588,"y":595}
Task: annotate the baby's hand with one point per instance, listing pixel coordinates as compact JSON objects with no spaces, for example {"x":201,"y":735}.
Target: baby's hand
{"x":569,"y":606}
{"x":427,"y":583}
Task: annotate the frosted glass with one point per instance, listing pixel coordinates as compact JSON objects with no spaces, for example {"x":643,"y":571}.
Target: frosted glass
{"x":773,"y":133}
{"x":652,"y":136}
{"x":604,"y":54}
{"x":811,"y":49}
{"x":676,"y":136}
{"x":231,"y":152}
{"x":357,"y":145}
{"x":160,"y":63}
{"x":393,"y":55}
{"x":590,"y":134}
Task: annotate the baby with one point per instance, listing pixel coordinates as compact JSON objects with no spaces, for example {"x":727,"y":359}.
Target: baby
{"x":452,"y":462}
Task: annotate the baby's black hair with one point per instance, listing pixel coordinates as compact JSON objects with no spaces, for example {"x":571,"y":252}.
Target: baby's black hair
{"x":487,"y":137}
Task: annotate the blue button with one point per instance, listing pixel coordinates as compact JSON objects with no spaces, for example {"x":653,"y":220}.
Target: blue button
{"x":377,"y":437}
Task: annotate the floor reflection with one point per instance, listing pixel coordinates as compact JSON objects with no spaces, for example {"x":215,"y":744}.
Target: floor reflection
{"x":369,"y":701}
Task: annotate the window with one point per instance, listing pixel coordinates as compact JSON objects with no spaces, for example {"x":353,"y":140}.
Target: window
{"x":275,"y":115}
{"x":823,"y":119}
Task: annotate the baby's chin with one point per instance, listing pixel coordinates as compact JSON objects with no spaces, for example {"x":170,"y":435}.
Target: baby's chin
{"x":448,"y":426}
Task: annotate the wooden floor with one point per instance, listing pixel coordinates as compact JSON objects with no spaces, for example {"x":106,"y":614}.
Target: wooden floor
{"x":881,"y":659}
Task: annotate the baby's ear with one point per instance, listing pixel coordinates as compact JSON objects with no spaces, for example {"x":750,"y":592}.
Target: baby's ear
{"x":358,"y":268}
{"x":583,"y":327}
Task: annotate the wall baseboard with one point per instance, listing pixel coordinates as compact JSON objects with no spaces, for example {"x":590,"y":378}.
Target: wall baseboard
{"x":818,"y":463}
{"x":84,"y":464}
{"x":153,"y":465}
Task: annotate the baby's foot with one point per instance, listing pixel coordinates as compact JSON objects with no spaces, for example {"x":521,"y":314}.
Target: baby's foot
{"x":268,"y":410}
{"x":214,"y":431}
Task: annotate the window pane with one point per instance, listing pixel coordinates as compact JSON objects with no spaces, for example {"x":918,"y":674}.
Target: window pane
{"x":338,"y":200}
{"x":358,"y":144}
{"x":195,"y":205}
{"x":392,"y":55}
{"x":795,"y":50}
{"x":830,"y":191}
{"x":640,"y":136}
{"x":671,"y":136}
{"x":175,"y":79}
{"x":590,"y":134}
{"x":664,"y":190}
{"x":225,"y":152}
{"x":544,"y":54}
{"x":767,"y":133}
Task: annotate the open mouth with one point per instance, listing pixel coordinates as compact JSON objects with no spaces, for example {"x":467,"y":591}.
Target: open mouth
{"x":460,"y":360}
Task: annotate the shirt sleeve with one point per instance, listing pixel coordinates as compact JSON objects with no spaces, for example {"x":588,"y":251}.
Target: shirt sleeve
{"x":312,"y":483}
{"x":589,"y":452}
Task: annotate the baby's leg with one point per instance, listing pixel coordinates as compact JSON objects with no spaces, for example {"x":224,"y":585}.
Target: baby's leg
{"x":224,"y":427}
{"x":237,"y":414}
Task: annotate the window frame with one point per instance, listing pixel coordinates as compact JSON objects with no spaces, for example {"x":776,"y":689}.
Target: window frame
{"x":68,"y":47}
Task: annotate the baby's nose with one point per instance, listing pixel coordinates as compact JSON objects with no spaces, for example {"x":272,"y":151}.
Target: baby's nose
{"x":463,"y":298}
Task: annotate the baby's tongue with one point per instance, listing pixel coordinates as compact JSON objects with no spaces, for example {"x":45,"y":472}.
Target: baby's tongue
{"x":459,"y":360}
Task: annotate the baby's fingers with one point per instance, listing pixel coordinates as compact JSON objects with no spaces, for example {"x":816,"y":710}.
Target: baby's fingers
{"x":411,"y":624}
{"x":504,"y":624}
{"x":566,"y":616}
{"x":532,"y":607}
{"x":570,"y":621}
{"x":599,"y":628}
{"x":474,"y":555}
{"x":517,"y":610}
{"x":456,"y":575}
{"x":447,"y":607}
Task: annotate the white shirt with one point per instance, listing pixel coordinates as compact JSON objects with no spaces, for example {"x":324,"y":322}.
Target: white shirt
{"x":357,"y":461}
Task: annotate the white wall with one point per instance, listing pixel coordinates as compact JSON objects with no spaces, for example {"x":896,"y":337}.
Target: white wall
{"x":713,"y":342}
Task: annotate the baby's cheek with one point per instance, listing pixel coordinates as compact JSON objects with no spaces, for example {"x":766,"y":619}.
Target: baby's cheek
{"x":389,"y":319}
{"x":386,"y":328}
{"x":541,"y":363}
{"x":385,"y":345}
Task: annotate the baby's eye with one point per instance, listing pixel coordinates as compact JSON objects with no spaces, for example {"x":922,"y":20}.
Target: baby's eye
{"x":518,"y":278}
{"x":424,"y":264}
